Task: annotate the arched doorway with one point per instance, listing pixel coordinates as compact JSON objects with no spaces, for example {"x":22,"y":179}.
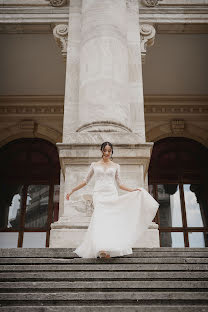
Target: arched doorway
{"x":29,"y":187}
{"x":178,"y":179}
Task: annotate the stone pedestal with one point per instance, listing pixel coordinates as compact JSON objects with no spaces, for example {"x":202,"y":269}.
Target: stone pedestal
{"x":103,"y":102}
{"x":76,"y":157}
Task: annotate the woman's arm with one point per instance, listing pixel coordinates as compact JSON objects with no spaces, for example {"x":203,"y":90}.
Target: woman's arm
{"x":78,"y":187}
{"x":123,"y":187}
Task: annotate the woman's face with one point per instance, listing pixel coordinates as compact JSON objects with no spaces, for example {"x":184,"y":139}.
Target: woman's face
{"x":107,"y":152}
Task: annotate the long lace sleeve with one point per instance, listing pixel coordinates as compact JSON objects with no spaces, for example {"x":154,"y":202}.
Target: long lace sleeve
{"x":117,"y":175}
{"x":89,"y":174}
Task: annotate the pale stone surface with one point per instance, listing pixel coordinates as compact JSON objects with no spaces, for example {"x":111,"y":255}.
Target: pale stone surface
{"x":75,"y":159}
{"x":65,"y":238}
{"x":72,"y":70}
{"x":61,"y":194}
{"x":184,"y":116}
{"x":109,"y":107}
{"x":103,"y":89}
{"x":37,"y":16}
{"x":135,"y":70}
{"x":147,"y":35}
{"x":60,"y":33}
{"x":178,"y":11}
{"x":31,"y":117}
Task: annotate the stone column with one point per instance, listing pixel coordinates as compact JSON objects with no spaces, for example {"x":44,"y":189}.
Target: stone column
{"x":103,"y":89}
{"x":136,"y":98}
{"x":71,"y":101}
{"x":103,"y":102}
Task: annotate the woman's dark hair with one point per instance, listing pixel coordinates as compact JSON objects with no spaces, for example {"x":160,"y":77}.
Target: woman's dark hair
{"x":103,"y":145}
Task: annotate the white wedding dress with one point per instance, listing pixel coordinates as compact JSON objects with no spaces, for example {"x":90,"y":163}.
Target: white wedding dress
{"x":117,"y":222}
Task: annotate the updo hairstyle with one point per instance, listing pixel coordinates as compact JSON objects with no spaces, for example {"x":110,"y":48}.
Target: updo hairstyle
{"x":103,"y":145}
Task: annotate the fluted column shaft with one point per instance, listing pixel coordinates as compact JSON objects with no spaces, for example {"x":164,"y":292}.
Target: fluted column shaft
{"x":103,"y":90}
{"x":136,"y":98}
{"x":71,"y":101}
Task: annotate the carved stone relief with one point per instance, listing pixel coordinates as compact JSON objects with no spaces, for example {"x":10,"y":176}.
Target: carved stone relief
{"x":58,"y":3}
{"x":177,"y":126}
{"x":147,"y":35}
{"x":150,"y":3}
{"x":84,"y":204}
{"x":60,"y":33}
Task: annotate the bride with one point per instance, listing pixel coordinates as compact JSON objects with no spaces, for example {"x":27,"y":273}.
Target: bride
{"x":117,"y":221}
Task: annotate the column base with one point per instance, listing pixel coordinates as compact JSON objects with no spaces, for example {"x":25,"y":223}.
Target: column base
{"x":75,"y":157}
{"x":69,"y":236}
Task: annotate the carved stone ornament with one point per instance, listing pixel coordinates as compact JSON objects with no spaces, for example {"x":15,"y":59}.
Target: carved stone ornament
{"x":84,"y":204}
{"x":150,"y":3}
{"x":147,"y":35}
{"x":177,"y":126}
{"x":60,"y":33}
{"x":103,"y":126}
{"x":58,"y":3}
{"x":27,"y":125}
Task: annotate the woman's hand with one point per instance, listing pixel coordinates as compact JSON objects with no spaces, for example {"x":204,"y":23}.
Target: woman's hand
{"x":68,"y":195}
{"x":137,"y":189}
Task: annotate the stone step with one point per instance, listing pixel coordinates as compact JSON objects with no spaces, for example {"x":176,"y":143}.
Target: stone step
{"x":49,"y":261}
{"x":94,"y":285}
{"x":105,"y":267}
{"x":121,"y":296}
{"x":67,"y":253}
{"x":103,"y":275}
{"x":108,"y":308}
{"x":151,"y":279}
{"x":127,"y":308}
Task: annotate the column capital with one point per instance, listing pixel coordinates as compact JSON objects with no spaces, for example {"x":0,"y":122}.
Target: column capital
{"x":57,"y":3}
{"x":60,"y":33}
{"x":147,"y":35}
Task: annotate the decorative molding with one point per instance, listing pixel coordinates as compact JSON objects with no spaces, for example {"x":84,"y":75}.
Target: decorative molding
{"x":161,"y":28}
{"x":179,"y":3}
{"x":163,"y":130}
{"x":24,"y":3}
{"x":129,"y":149}
{"x":190,"y":12}
{"x":147,"y":35}
{"x":34,"y":15}
{"x":170,"y":105}
{"x":27,"y":125}
{"x":54,"y":105}
{"x":150,"y":3}
{"x":181,"y":28}
{"x":176,"y":109}
{"x":60,"y":33}
{"x":103,"y":126}
{"x":174,"y":3}
{"x":176,"y":98}
{"x":29,"y":129}
{"x":25,"y":28}
{"x":32,"y":105}
{"x":37,"y":110}
{"x":58,"y":3}
{"x":177,"y":126}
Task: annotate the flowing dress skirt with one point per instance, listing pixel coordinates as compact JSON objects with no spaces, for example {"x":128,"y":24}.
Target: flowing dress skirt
{"x":117,"y":221}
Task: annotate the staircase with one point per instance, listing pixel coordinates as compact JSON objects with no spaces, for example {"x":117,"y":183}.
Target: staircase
{"x":151,"y":279}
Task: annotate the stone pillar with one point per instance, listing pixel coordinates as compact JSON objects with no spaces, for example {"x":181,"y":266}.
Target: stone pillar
{"x":103,"y":89}
{"x":103,"y":102}
{"x":136,"y":98}
{"x":71,"y":101}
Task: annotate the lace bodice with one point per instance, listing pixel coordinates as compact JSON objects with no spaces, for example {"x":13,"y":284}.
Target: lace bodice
{"x":104,"y":175}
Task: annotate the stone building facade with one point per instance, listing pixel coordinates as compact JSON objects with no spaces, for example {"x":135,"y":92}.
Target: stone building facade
{"x":77,"y":73}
